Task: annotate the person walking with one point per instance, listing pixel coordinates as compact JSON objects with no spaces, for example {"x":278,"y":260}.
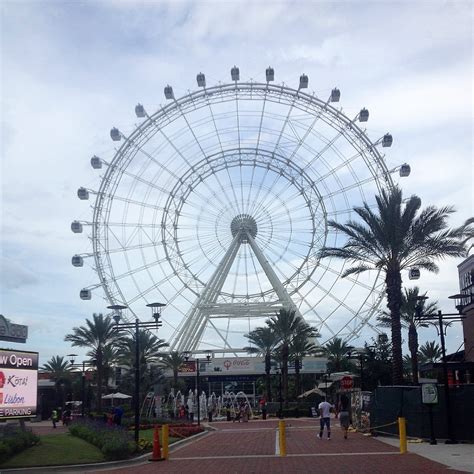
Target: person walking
{"x":54,"y":417}
{"x":325,"y":418}
{"x":344,"y":413}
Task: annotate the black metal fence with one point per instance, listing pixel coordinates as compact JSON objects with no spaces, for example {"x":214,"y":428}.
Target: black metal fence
{"x":388,"y":403}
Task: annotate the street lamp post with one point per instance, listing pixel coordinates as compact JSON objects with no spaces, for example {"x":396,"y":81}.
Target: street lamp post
{"x":326,"y":378}
{"x":280,"y":397}
{"x":90,"y":363}
{"x":134,"y":329}
{"x":441,"y":330}
{"x":207,"y":360}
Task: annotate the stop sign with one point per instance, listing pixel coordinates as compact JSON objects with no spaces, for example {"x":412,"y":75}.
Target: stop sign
{"x":346,"y":382}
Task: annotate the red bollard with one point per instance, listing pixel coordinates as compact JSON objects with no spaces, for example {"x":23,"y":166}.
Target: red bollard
{"x":156,"y":456}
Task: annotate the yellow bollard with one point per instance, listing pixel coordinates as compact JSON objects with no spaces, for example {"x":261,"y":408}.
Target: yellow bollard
{"x":281,"y":426}
{"x":402,"y":432}
{"x":165,"y":438}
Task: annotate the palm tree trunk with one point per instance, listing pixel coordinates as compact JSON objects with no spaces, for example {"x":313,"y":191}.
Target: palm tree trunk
{"x":284,"y":371}
{"x":413,"y":346}
{"x":297,"y":378}
{"x":393,"y":281}
{"x":175,"y":378}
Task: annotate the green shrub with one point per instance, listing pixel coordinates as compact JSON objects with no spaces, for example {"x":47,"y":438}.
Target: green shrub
{"x":5,"y":451}
{"x":113,"y":441}
{"x":113,"y":448}
{"x":13,"y":440}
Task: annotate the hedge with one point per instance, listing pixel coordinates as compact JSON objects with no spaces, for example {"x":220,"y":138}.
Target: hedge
{"x":14,"y":440}
{"x":115,"y":442}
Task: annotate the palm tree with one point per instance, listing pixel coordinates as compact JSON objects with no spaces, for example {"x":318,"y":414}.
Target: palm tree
{"x":59,"y":371}
{"x":336,"y":350}
{"x":263,"y":342}
{"x":100,"y":336}
{"x":286,"y":326}
{"x":173,"y":360}
{"x":394,"y":238}
{"x":300,"y":346}
{"x":150,"y":349}
{"x":430,"y":352}
{"x":409,"y":309}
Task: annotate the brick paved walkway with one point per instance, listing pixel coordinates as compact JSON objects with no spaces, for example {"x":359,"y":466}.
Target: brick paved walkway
{"x":250,"y":448}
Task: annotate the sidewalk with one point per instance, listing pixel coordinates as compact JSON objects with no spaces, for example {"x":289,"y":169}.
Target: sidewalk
{"x":456,"y":456}
{"x":253,"y":448}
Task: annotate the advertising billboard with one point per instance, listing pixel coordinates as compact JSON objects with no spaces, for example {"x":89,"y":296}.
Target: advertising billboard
{"x":18,"y":384}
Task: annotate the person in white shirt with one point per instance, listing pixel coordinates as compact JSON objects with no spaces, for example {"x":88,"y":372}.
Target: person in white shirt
{"x":325,"y":420}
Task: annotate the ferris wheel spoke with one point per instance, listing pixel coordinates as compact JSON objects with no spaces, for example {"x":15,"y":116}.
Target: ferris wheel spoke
{"x":322,"y":323}
{"x":183,"y":157}
{"x":307,"y":133}
{"x":191,"y":130}
{"x":349,"y":187}
{"x":152,"y":159}
{"x":259,"y":190}
{"x":285,"y":123}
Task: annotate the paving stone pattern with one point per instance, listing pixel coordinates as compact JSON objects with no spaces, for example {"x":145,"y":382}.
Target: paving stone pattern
{"x":249,"y":448}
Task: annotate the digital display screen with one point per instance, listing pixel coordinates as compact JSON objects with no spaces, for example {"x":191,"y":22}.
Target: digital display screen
{"x":18,"y":384}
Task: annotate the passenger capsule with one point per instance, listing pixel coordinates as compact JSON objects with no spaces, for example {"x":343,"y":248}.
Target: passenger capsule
{"x":76,"y":227}
{"x":201,"y":80}
{"x":304,"y":81}
{"x":363,"y":115}
{"x":270,"y":74}
{"x":405,"y":170}
{"x":96,"y":162}
{"x":235,"y":73}
{"x":169,"y":92}
{"x":115,"y":134}
{"x":335,"y":95}
{"x":140,"y":111}
{"x":414,"y":273}
{"x":85,"y":294}
{"x":387,"y":140}
{"x":77,"y":261}
{"x":83,"y":194}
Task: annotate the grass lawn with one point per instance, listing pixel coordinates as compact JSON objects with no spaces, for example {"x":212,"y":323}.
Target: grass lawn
{"x":56,"y":449}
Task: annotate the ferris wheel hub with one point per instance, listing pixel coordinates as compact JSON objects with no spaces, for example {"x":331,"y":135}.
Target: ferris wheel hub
{"x":246,"y":225}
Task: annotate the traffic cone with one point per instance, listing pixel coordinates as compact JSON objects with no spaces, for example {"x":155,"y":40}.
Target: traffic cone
{"x":156,"y":456}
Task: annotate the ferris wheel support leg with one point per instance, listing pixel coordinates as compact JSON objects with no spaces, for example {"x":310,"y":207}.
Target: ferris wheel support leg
{"x":272,"y":277}
{"x":196,"y":320}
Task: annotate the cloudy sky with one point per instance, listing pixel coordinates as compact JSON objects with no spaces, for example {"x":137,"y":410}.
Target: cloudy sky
{"x":72,"y":70}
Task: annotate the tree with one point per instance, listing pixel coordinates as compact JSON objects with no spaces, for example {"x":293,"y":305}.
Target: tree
{"x":173,"y":361}
{"x":263,"y":342}
{"x":409,"y":308}
{"x":150,"y":349}
{"x":377,"y":364}
{"x":300,"y":346}
{"x":286,"y":326}
{"x":336,"y":351}
{"x":430,"y":352}
{"x":59,"y":371}
{"x":396,"y":237}
{"x":100,"y":336}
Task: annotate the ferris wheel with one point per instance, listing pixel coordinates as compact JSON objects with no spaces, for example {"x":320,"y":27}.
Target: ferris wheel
{"x":218,"y":202}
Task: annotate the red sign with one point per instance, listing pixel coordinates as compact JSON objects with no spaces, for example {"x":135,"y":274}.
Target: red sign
{"x":188,"y":367}
{"x":347,"y":382}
